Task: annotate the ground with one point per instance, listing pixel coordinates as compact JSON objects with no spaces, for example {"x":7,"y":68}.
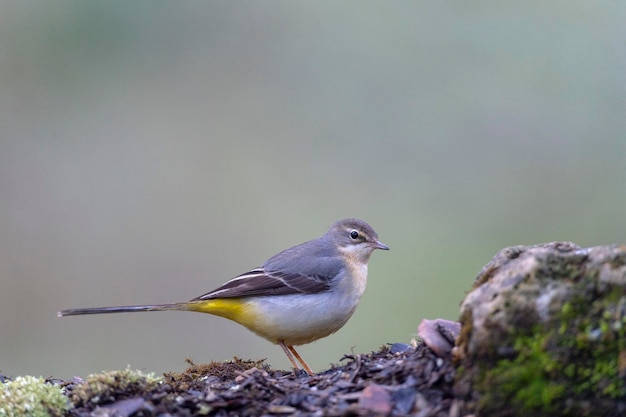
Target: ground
{"x":397,"y":380}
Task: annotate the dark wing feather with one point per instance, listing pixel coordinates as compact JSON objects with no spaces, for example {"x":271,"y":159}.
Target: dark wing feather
{"x":307,"y":268}
{"x":260,"y":283}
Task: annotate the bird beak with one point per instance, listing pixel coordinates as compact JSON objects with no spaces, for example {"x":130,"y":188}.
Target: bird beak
{"x":380,"y":245}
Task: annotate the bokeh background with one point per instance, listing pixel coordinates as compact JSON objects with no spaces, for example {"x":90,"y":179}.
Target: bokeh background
{"x":151,"y":150}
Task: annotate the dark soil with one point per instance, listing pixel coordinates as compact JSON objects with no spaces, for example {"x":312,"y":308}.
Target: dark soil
{"x":397,"y":380}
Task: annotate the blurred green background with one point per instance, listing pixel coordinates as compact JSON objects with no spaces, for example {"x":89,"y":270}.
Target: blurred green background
{"x":151,"y":150}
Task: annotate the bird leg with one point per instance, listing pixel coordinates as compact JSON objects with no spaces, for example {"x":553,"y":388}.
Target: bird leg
{"x":306,"y":367}
{"x":290,"y":351}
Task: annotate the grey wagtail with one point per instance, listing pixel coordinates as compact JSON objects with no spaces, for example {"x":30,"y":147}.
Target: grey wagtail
{"x":297,"y":296}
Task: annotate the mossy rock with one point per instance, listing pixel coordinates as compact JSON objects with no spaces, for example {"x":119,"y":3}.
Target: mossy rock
{"x":544,"y":333}
{"x":109,"y":386}
{"x":32,"y":397}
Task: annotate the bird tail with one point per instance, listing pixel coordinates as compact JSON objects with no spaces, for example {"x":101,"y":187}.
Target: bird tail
{"x":233,"y":309}
{"x":123,"y":309}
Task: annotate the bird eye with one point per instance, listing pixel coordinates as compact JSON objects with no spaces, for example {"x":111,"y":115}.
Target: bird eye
{"x":354,"y":235}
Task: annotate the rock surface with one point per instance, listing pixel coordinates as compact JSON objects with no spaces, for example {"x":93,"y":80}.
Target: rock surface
{"x":544,"y":333}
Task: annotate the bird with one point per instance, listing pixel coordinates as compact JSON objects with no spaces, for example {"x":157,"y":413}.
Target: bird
{"x":297,"y":296}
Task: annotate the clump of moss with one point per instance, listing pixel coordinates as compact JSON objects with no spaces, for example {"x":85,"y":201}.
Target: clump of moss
{"x":526,"y":381}
{"x":562,"y":367}
{"x":597,"y":341}
{"x":108,"y":386}
{"x":31,"y":396}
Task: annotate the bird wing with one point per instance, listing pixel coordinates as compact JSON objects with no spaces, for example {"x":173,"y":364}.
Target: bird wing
{"x":308,"y":268}
{"x":260,"y":282}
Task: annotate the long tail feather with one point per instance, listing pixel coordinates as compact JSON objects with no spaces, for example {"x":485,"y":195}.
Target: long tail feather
{"x":122,"y":309}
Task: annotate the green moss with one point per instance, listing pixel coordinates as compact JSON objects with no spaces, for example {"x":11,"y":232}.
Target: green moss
{"x":559,"y":367}
{"x":33,"y":397}
{"x":108,"y":386}
{"x":525,"y":382}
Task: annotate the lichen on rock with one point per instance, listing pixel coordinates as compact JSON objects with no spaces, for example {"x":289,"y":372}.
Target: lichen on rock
{"x":33,"y":397}
{"x":107,"y":386}
{"x":544,"y":332}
